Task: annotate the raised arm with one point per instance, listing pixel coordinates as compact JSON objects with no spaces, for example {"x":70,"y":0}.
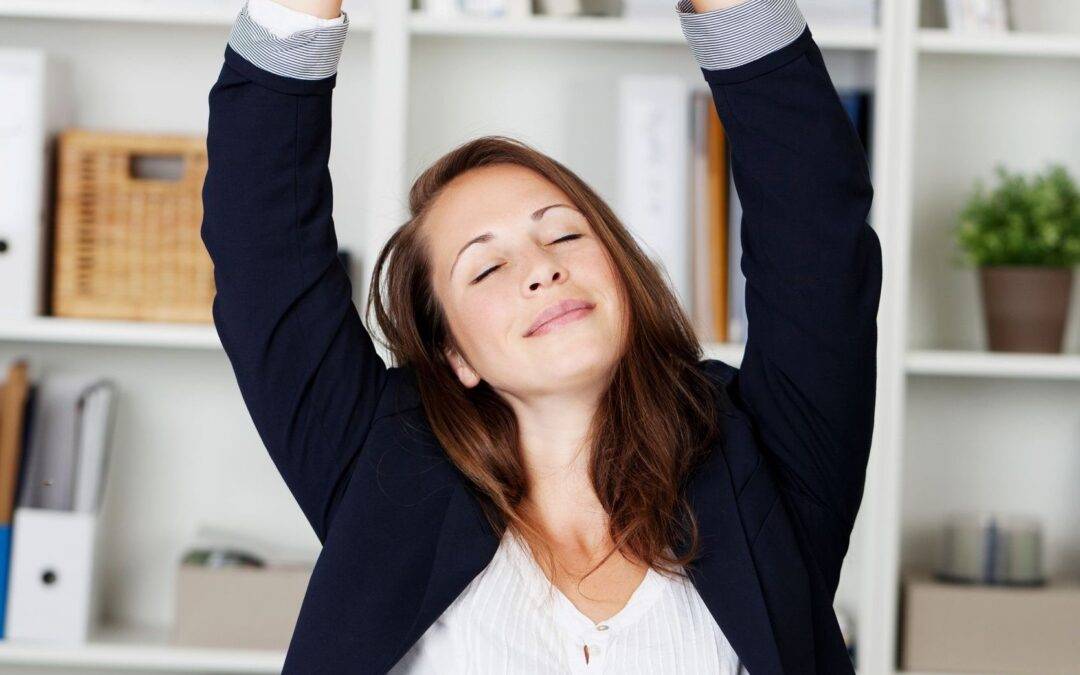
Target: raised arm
{"x":812,"y":262}
{"x":305,"y":365}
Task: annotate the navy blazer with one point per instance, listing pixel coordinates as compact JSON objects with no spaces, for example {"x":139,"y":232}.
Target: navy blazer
{"x":401,"y":528}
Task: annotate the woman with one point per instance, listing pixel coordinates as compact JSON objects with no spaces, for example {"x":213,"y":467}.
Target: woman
{"x":552,"y":479}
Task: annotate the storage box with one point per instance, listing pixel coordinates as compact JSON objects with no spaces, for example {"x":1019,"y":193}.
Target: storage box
{"x":127,"y":236}
{"x":238,"y":607}
{"x":996,"y":629}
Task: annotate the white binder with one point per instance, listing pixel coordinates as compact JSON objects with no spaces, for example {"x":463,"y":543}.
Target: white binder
{"x":33,"y":89}
{"x":654,"y":179}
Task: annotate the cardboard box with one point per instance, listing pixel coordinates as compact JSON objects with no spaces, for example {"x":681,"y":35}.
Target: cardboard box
{"x":959,"y":627}
{"x":238,"y":607}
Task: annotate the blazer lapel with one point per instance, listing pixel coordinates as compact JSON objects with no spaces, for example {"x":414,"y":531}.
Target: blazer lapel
{"x":725,"y":575}
{"x":465,"y":546}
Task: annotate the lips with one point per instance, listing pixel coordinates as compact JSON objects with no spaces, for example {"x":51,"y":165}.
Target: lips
{"x":555,"y":311}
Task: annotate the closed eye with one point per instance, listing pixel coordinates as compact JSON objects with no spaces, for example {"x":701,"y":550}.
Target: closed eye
{"x":485,"y":273}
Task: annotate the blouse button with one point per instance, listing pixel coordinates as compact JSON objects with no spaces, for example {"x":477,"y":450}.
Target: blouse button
{"x":601,"y":626}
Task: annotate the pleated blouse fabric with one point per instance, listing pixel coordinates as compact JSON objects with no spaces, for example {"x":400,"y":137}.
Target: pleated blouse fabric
{"x":512,"y":619}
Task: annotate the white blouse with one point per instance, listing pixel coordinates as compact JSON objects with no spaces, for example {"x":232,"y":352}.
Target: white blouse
{"x":512,"y":619}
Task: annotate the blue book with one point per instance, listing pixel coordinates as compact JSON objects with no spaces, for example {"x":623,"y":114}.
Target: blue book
{"x":5,"y":557}
{"x":858,"y":104}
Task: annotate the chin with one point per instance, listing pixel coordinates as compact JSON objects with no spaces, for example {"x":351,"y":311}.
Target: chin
{"x":569,"y":355}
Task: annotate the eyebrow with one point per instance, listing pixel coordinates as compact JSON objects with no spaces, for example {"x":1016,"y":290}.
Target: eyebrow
{"x":487,"y":236}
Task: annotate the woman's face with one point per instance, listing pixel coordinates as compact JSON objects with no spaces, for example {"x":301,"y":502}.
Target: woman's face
{"x":506,"y":244}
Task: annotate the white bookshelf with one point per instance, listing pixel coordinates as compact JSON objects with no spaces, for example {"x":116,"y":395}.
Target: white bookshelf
{"x":160,"y":12}
{"x":958,"y":363}
{"x":1047,"y":45}
{"x":410,"y":87}
{"x":145,"y":648}
{"x":592,"y":28}
{"x":62,"y":330}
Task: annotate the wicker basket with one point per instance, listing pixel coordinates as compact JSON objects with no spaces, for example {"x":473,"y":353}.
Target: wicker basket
{"x":126,"y":246}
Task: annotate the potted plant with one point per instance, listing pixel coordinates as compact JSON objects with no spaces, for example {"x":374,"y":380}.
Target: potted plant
{"x":1024,"y":237}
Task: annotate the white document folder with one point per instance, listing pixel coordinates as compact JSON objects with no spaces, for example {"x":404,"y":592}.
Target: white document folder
{"x":654,"y":173}
{"x":34,"y":108}
{"x":54,"y":589}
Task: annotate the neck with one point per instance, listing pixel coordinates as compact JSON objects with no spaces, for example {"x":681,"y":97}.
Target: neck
{"x":556,"y":454}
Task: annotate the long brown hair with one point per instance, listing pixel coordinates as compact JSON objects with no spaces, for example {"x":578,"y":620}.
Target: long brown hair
{"x":652,"y":426}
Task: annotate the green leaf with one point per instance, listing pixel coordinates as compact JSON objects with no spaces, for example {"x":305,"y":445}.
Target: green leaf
{"x":1023,"y":221}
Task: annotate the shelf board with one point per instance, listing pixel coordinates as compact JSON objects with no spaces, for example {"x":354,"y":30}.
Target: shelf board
{"x":944,"y":41}
{"x":182,"y":335}
{"x":144,"y":11}
{"x":957,"y":363}
{"x":144,"y":648}
{"x":108,"y":332}
{"x":163,"y":12}
{"x":597,"y":28}
{"x":935,"y":672}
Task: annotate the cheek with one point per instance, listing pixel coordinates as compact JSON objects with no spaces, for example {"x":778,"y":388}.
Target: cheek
{"x":600,"y":271}
{"x":604,"y":278}
{"x":482,"y":317}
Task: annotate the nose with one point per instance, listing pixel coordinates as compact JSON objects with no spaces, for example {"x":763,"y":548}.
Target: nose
{"x":546,"y":271}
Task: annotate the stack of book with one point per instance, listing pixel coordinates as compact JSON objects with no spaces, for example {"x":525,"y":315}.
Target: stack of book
{"x":55,"y":432}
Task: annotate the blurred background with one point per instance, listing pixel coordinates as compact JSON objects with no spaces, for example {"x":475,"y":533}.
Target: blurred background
{"x":167,"y":542}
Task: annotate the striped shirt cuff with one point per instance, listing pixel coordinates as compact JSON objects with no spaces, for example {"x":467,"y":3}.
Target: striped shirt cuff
{"x":309,"y":54}
{"x":734,"y":36}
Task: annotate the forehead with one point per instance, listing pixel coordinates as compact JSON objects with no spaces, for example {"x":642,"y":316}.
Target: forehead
{"x":485,"y":198}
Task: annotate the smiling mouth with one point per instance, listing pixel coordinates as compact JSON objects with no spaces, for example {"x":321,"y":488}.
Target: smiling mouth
{"x":561,"y":320}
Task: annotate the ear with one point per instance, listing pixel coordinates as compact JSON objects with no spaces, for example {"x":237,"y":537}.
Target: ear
{"x":469,"y":377}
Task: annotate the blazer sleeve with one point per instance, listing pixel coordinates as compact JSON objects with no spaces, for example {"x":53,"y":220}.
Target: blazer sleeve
{"x":305,"y":365}
{"x":812,"y":262}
